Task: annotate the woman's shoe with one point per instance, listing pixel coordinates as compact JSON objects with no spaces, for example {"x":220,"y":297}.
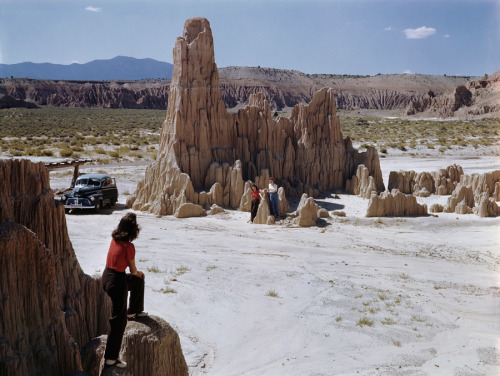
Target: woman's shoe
{"x":116,"y":363}
{"x":134,"y":315}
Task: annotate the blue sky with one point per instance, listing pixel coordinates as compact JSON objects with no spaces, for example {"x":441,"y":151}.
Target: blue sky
{"x":454,"y":37}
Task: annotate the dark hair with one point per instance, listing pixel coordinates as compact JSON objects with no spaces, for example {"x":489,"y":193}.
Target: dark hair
{"x":127,"y":229}
{"x":272,"y":179}
{"x":253,"y":185}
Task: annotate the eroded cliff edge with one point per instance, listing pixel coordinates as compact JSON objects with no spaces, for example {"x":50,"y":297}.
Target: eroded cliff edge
{"x":49,"y":307}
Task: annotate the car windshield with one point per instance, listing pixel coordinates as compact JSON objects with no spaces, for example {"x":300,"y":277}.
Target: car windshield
{"x":88,"y":182}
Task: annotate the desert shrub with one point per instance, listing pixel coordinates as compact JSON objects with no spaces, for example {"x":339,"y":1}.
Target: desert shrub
{"x":66,"y":153}
{"x":272,"y":294}
{"x":30,"y":151}
{"x":47,"y":152}
{"x":114,"y":154}
{"x":364,"y":321}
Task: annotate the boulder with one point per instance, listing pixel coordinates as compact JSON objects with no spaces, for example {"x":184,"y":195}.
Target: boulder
{"x":215,"y":209}
{"x":338,"y":213}
{"x":188,"y":209}
{"x":394,"y":203}
{"x":202,"y":145}
{"x":307,"y":212}
{"x":436,"y":208}
{"x":323,"y":213}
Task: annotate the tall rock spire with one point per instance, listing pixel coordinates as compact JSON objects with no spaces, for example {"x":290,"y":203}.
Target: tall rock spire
{"x":205,"y":150}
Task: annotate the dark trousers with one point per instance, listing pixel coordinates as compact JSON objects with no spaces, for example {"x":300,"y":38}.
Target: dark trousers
{"x":117,"y":284}
{"x":274,"y":204}
{"x":254,"y":209}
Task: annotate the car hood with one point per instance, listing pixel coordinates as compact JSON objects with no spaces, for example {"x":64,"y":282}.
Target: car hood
{"x":83,"y":191}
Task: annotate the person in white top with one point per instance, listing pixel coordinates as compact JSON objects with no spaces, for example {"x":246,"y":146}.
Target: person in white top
{"x":273,"y":198}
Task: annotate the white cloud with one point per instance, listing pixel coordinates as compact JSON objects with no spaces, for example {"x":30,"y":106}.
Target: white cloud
{"x":388,"y":28}
{"x":447,"y":36}
{"x":407,"y":72}
{"x":419,"y":33}
{"x":93,"y":9}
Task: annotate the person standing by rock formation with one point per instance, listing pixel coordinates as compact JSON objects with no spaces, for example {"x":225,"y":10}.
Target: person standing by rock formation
{"x":255,"y":202}
{"x":117,"y":283}
{"x":273,"y":198}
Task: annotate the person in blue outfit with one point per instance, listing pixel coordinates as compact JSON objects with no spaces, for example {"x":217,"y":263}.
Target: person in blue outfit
{"x":273,"y":198}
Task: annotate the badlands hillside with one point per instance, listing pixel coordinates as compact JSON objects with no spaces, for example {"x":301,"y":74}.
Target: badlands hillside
{"x":282,"y":88}
{"x":478,"y":97}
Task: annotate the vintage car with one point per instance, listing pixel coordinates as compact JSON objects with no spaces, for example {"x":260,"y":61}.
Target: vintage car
{"x":91,"y":191}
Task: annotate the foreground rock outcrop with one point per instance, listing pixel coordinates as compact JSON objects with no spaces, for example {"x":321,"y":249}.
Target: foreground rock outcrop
{"x":150,"y":347}
{"x":49,"y":307}
{"x":57,"y":297}
{"x":206,"y":154}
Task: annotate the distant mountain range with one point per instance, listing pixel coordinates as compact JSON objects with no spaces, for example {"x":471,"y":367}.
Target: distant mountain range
{"x":118,"y":68}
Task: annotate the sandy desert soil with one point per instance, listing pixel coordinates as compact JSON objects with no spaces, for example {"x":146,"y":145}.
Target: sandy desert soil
{"x":355,"y":296}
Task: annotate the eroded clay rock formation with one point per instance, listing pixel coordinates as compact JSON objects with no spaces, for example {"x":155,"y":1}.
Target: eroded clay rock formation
{"x":46,"y":276}
{"x":446,"y":180}
{"x":202,"y":146}
{"x":423,"y":184}
{"x":264,"y":212}
{"x":394,"y":203}
{"x":282,"y":88}
{"x":361,"y":184}
{"x":50,"y":309}
{"x":480,"y":189}
{"x":487,"y":207}
{"x":33,"y":335}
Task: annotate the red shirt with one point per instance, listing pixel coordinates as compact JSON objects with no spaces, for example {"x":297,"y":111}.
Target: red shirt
{"x":119,"y":255}
{"x":255,"y":194}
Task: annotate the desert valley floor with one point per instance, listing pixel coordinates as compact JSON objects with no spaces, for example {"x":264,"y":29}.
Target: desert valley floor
{"x":355,"y":296}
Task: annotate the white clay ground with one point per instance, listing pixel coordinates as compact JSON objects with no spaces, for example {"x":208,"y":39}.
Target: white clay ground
{"x":430,"y":285}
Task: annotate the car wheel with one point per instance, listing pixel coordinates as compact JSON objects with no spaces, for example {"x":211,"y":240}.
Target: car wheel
{"x":99,"y":207}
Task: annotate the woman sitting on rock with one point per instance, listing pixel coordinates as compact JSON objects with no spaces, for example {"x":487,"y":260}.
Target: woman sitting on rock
{"x":117,"y":283}
{"x":255,"y":202}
